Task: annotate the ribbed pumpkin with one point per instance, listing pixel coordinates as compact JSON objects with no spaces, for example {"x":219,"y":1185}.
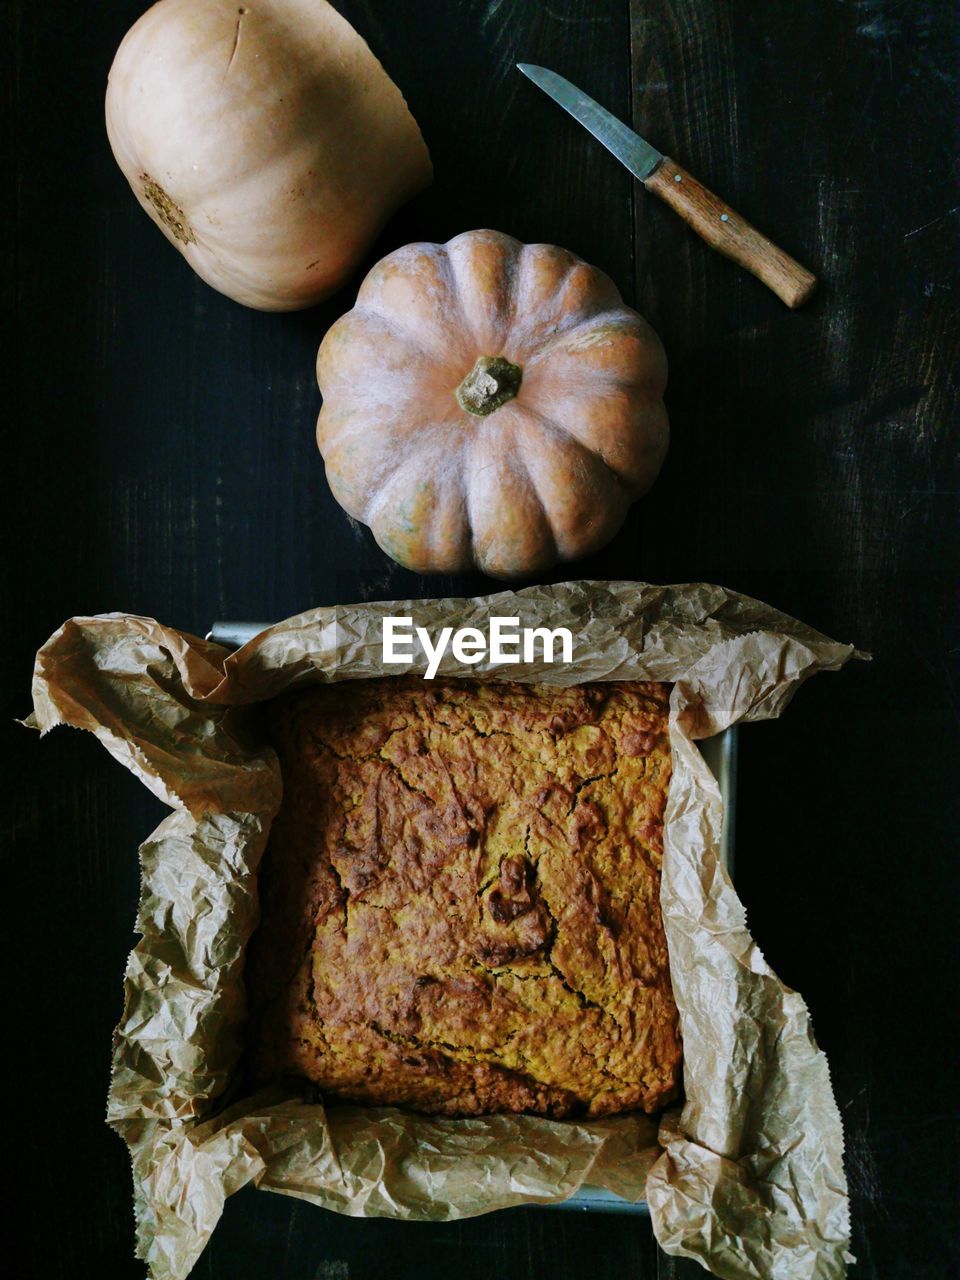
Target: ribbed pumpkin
{"x":490,"y":404}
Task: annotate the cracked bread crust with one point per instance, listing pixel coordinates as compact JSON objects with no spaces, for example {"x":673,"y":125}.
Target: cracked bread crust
{"x":460,"y":898}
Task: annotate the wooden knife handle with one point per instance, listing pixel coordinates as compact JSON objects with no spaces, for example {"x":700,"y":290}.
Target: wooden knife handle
{"x":730,"y":234}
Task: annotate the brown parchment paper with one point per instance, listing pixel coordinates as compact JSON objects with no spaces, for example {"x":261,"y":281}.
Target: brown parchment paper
{"x":747,"y":1177}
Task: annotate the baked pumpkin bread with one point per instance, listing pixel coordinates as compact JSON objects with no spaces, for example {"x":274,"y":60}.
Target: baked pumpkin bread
{"x":460,"y":898}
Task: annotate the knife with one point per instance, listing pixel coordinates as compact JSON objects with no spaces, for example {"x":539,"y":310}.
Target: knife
{"x":722,"y":228}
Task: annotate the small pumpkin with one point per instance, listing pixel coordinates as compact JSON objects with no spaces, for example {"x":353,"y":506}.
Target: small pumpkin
{"x":490,"y":404}
{"x":264,"y":139}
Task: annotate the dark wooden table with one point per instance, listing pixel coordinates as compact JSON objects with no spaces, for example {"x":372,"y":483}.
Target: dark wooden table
{"x":165,"y":465}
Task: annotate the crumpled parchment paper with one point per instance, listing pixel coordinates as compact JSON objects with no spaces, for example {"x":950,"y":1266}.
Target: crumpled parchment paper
{"x":747,"y":1177}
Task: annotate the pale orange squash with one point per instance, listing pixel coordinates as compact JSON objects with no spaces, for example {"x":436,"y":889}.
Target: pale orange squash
{"x":264,"y":139}
{"x":490,"y":404}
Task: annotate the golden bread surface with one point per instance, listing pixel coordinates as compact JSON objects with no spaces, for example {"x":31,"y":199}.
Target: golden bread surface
{"x":460,"y":898}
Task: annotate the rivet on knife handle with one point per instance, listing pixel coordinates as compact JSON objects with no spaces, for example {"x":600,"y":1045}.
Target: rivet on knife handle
{"x":730,"y":234}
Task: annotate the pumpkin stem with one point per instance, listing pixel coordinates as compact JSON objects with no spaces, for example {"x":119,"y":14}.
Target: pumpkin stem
{"x":491,"y":382}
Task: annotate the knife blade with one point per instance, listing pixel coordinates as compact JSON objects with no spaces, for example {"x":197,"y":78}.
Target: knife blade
{"x":708,"y":215}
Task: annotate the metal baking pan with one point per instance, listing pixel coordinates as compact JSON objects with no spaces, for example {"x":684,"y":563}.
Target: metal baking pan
{"x":719,"y":752}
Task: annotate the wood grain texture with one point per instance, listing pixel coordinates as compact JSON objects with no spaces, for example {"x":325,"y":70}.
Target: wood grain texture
{"x":814,"y":454}
{"x":726,"y":231}
{"x":164,"y":463}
